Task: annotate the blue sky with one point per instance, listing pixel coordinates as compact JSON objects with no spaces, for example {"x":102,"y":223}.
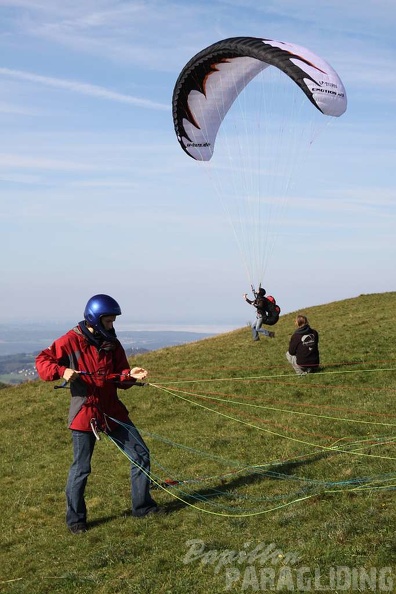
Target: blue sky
{"x":97,"y":196}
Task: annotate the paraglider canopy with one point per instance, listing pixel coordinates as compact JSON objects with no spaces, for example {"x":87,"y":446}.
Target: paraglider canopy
{"x":263,"y":103}
{"x":210,"y":82}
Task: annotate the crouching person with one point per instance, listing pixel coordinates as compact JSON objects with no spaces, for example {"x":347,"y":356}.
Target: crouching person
{"x":303,"y":353}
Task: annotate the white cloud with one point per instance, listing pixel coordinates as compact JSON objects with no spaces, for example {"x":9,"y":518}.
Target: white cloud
{"x":27,"y":162}
{"x":82,"y":88}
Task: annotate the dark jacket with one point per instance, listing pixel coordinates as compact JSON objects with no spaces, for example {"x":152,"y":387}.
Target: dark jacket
{"x":265,"y":309}
{"x":304,"y":345}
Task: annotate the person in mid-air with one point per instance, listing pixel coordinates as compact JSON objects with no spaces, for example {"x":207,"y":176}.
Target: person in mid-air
{"x":86,"y":357}
{"x":303,"y":353}
{"x":267,"y":312}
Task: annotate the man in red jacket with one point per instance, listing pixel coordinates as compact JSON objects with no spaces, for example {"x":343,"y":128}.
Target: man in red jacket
{"x":93,"y":361}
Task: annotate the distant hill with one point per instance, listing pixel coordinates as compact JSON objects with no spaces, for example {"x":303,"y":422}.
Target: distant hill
{"x":19,"y":347}
{"x":30,"y":338}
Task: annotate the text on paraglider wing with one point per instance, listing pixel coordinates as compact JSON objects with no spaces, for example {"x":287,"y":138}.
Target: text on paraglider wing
{"x":325,"y":83}
{"x":198,"y":144}
{"x":325,"y":91}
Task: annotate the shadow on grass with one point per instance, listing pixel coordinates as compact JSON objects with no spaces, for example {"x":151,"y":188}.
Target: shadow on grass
{"x":102,"y":521}
{"x":279,"y":472}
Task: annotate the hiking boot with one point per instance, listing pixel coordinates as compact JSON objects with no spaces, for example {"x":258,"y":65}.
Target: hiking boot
{"x":257,"y":338}
{"x":78,"y":528}
{"x":271,"y":334}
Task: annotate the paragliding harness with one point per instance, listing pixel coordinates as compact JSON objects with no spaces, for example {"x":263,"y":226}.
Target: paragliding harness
{"x":267,"y":308}
{"x":96,"y":427}
{"x":273,"y":312}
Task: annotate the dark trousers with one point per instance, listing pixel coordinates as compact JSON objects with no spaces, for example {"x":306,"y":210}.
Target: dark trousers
{"x":128,"y":439}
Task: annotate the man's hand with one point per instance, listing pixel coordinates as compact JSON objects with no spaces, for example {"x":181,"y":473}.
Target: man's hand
{"x":138,"y":373}
{"x":70,"y":375}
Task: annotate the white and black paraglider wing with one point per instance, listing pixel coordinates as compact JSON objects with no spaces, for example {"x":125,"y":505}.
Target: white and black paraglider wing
{"x":210,"y":82}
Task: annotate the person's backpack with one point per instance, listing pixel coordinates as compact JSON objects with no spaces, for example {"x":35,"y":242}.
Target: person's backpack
{"x":276,"y":306}
{"x":271,"y":311}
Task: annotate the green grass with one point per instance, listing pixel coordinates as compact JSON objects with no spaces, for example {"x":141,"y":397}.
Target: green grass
{"x":302,"y":465}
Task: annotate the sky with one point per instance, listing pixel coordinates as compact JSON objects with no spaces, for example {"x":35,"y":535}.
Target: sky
{"x":96,"y":195}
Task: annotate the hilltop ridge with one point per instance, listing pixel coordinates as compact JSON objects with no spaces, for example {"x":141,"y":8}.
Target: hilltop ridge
{"x":244,"y":453}
{"x":357,"y":328}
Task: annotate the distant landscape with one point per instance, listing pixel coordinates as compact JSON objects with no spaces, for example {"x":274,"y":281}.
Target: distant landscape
{"x":20,"y":345}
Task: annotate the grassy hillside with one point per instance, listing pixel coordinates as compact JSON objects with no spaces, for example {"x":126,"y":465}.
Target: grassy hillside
{"x":285,"y":483}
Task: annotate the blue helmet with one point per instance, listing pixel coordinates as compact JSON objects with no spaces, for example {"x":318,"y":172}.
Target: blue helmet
{"x":98,"y":306}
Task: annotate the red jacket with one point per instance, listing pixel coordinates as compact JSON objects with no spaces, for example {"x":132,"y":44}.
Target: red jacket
{"x":92,"y":396}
